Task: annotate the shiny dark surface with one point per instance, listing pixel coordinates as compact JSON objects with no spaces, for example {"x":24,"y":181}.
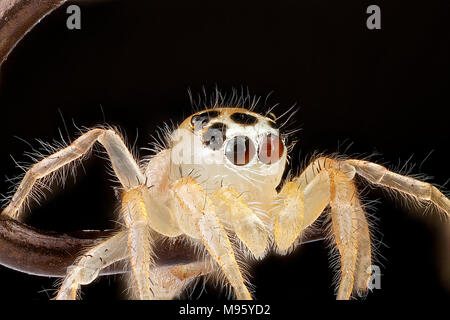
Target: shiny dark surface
{"x":240,"y":150}
{"x":19,"y":19}
{"x":243,"y":118}
{"x":200,"y":120}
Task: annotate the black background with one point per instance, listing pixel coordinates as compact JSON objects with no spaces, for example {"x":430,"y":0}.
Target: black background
{"x":387,"y":91}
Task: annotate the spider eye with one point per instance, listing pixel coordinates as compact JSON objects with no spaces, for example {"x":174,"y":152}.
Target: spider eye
{"x":214,"y":137}
{"x":200,"y":120}
{"x":271,"y":149}
{"x":240,"y":150}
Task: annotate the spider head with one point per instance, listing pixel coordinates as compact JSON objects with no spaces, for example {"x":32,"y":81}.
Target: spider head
{"x":231,"y":147}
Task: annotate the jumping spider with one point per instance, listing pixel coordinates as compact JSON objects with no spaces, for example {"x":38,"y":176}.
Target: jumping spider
{"x":217,"y":183}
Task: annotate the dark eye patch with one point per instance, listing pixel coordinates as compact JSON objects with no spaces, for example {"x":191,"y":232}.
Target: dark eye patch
{"x":243,"y":118}
{"x":214,"y":137}
{"x":200,"y":120}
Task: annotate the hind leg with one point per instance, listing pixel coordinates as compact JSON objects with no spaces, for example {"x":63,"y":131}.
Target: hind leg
{"x":169,"y":282}
{"x":89,"y":265}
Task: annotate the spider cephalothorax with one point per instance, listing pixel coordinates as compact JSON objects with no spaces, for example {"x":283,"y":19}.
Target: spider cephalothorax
{"x":230,"y":148}
{"x":218,"y":177}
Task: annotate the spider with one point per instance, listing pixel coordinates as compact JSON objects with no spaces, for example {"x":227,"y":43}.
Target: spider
{"x":217,"y":184}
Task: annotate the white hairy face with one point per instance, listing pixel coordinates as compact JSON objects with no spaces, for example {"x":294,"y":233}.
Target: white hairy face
{"x":230,"y":147}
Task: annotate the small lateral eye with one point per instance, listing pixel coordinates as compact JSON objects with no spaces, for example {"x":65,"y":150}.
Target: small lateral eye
{"x":240,"y":150}
{"x":271,"y":149}
{"x":214,"y":137}
{"x":200,"y":120}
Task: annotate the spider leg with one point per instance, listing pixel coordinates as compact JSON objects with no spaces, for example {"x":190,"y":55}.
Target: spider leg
{"x":197,"y":218}
{"x":344,"y":221}
{"x":422,"y":191}
{"x":139,"y":242}
{"x":349,"y":223}
{"x":299,"y":205}
{"x":381,"y":176}
{"x":302,"y":200}
{"x":245,"y":223}
{"x":326,"y":182}
{"x":289,"y":220}
{"x":88,"y":266}
{"x":128,"y":172}
{"x":122,"y":161}
{"x":168,"y":282}
{"x":363,"y":268}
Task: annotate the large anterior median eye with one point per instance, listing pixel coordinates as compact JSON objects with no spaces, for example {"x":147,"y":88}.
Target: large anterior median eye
{"x":271,"y":149}
{"x":240,"y":150}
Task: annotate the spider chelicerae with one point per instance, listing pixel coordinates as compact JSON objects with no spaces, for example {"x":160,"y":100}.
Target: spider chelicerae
{"x":216,"y":182}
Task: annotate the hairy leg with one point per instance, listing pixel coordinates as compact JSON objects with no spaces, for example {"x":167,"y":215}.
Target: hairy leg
{"x":197,"y":218}
{"x":88,"y":266}
{"x":139,"y":242}
{"x":363,"y":268}
{"x":245,"y":223}
{"x":309,"y":181}
{"x":326,"y":182}
{"x":169,"y":282}
{"x":301,"y":201}
{"x":422,"y":191}
{"x":289,"y":218}
{"x":127,"y":171}
{"x":122,"y":161}
{"x":344,"y":203}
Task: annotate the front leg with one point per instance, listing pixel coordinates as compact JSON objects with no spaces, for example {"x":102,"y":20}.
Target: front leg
{"x":244,"y":222}
{"x":197,"y":218}
{"x":139,"y":242}
{"x":326,"y":182}
{"x":132,"y":180}
{"x":123,"y":163}
{"x":299,"y":203}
